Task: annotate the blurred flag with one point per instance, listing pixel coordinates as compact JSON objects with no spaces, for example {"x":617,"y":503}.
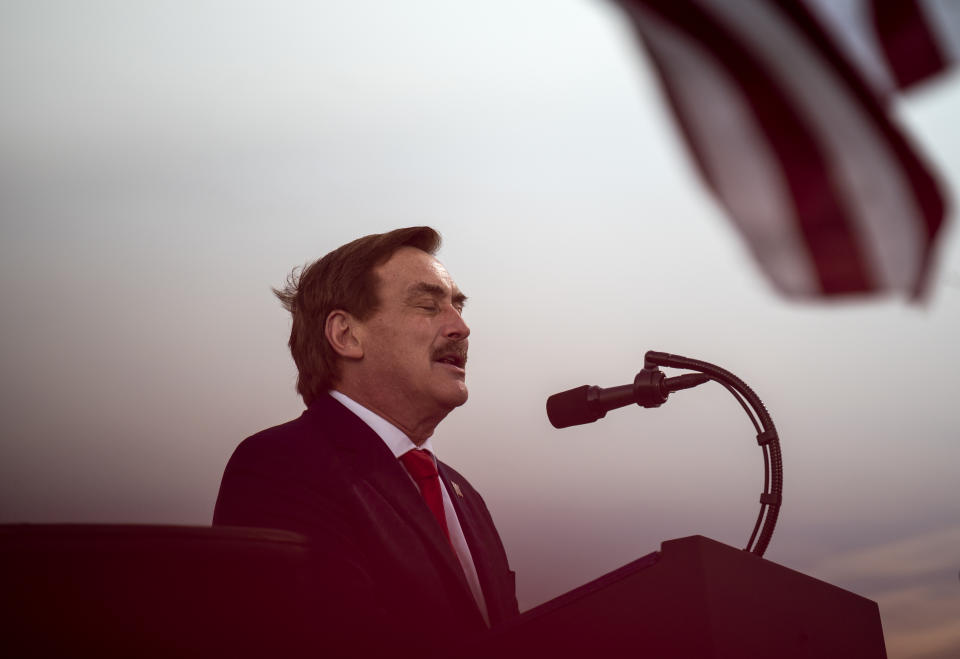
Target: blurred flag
{"x":895,"y":44}
{"x":783,"y":104}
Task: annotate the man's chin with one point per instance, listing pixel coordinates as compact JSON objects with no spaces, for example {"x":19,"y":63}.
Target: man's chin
{"x":455,"y":397}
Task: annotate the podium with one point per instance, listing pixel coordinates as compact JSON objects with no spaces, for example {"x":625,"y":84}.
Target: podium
{"x":697,"y":598}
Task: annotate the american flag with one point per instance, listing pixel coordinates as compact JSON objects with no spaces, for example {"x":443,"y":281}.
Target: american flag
{"x":785,"y":106}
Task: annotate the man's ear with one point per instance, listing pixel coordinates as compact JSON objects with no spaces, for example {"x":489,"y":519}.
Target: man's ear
{"x":341,"y":332}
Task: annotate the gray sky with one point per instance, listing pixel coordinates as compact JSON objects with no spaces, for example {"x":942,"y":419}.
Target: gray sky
{"x":162,"y":165}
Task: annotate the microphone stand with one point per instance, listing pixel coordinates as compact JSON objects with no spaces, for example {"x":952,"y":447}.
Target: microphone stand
{"x":772,"y":495}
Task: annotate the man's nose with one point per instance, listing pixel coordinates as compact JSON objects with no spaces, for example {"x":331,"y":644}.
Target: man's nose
{"x":457,"y":328}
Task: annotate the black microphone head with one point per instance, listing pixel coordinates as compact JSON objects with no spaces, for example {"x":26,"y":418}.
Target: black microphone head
{"x":573,"y":407}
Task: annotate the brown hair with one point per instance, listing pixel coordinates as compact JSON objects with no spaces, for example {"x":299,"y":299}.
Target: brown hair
{"x":343,"y":279}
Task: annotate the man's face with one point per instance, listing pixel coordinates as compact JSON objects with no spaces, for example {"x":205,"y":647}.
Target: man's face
{"x":415,"y":344}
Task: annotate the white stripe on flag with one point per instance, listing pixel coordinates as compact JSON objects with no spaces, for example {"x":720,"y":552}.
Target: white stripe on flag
{"x":850,"y":25}
{"x":943,"y":17}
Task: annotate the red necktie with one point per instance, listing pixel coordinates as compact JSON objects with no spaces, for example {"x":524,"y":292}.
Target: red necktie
{"x":420,"y":465}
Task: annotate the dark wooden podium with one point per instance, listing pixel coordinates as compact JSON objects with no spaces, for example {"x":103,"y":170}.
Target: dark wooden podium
{"x":697,"y":598}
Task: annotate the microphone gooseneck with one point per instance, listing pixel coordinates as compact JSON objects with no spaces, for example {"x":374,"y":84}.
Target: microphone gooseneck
{"x":650,"y":388}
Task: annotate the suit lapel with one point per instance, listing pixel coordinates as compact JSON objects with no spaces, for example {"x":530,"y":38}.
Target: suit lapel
{"x":395,"y":486}
{"x":362,"y":451}
{"x":470,"y":521}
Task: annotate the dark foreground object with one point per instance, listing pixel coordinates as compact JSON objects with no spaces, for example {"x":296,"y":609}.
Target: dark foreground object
{"x":698,"y":598}
{"x":167,"y":591}
{"x":154,"y":591}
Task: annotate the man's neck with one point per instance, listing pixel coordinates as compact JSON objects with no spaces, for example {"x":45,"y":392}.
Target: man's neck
{"x":418,"y":427}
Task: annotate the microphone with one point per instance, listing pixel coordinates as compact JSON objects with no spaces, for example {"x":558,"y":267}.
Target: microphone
{"x":588,"y":403}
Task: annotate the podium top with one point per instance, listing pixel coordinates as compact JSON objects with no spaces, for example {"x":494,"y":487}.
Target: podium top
{"x":697,"y":597}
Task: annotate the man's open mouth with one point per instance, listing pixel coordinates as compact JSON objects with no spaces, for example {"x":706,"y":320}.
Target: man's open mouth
{"x":453,"y":359}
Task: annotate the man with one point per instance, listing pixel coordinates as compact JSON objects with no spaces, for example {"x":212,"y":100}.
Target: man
{"x":380,"y":344}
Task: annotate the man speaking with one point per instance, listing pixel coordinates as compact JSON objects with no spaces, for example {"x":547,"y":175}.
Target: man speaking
{"x":380,"y":344}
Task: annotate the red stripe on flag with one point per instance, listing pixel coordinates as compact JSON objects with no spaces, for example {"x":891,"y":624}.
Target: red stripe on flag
{"x":909,"y":46}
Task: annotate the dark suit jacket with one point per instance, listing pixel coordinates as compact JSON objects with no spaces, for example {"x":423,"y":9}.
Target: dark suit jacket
{"x":327,"y":475}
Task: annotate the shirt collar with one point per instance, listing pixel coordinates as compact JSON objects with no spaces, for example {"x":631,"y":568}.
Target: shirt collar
{"x":395,"y":439}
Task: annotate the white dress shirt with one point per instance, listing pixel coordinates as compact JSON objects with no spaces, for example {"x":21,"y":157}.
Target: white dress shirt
{"x":398,"y":443}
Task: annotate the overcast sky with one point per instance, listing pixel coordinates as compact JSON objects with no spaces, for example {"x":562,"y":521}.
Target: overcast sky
{"x":163,"y":164}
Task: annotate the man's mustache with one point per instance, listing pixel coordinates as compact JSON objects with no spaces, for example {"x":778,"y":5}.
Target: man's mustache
{"x":455,"y":348}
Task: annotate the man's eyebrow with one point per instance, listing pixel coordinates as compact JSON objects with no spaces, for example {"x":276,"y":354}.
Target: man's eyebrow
{"x":435,"y":290}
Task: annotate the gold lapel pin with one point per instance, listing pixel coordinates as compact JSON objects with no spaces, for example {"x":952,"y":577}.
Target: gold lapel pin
{"x":456,"y":488}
